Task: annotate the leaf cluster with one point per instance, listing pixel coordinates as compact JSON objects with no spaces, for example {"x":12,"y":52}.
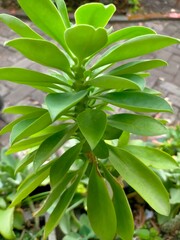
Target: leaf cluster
{"x":82,"y":91}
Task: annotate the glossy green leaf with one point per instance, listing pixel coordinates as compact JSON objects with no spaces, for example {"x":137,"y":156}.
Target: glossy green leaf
{"x":24,"y":110}
{"x":10,"y":125}
{"x":137,"y":66}
{"x":62,"y":164}
{"x":86,"y":40}
{"x":113,"y":82}
{"x":20,"y":127}
{"x":30,"y":183}
{"x":61,"y":5}
{"x":151,"y":91}
{"x":57,"y":103}
{"x":141,"y":178}
{"x":152,"y":157}
{"x":63,"y":203}
{"x":36,"y":139}
{"x":6,"y":220}
{"x":41,"y":51}
{"x":19,"y":26}
{"x":137,"y":79}
{"x":112,"y":133}
{"x":135,"y":47}
{"x":101,"y":14}
{"x":92,"y":124}
{"x":137,"y":101}
{"x":25,"y":161}
{"x":101,"y":150}
{"x":28,"y":77}
{"x":28,"y":127}
{"x":124,"y":139}
{"x":45,"y":15}
{"x":101,"y":211}
{"x":26,"y":144}
{"x":128,"y":33}
{"x":137,"y":124}
{"x":56,"y":192}
{"x":51,"y":145}
{"x":125,"y":223}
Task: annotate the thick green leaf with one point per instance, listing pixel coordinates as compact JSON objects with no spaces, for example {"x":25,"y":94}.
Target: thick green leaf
{"x":112,"y":133}
{"x":57,"y":103}
{"x":63,"y":203}
{"x":125,"y":223}
{"x":101,"y":150}
{"x":19,"y":26}
{"x":36,"y":139}
{"x":25,"y":161}
{"x":20,"y":127}
{"x":137,"y":101}
{"x":51,"y":145}
{"x":124,"y":139}
{"x":152,"y":157}
{"x":101,"y":211}
{"x":29,"y":77}
{"x":141,"y":178}
{"x":6,"y":220}
{"x":56,"y":192}
{"x":61,"y":5}
{"x":28,"y":127}
{"x":151,"y":91}
{"x":137,"y":66}
{"x":137,"y":124}
{"x":136,"y":78}
{"x":41,"y":51}
{"x":24,"y":110}
{"x":26,"y":144}
{"x":92,"y":124}
{"x":128,"y":33}
{"x":30,"y":183}
{"x":113,"y":82}
{"x":62,"y":164}
{"x":94,"y":14}
{"x":135,"y":47}
{"x":45,"y":15}
{"x":9,"y":126}
{"x":86,"y":40}
{"x":175,"y":195}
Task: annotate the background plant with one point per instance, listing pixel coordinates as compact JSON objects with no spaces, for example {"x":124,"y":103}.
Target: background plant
{"x":77,"y":112}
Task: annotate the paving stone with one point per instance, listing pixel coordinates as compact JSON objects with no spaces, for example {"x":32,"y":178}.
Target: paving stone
{"x":3,"y":90}
{"x":38,"y":97}
{"x":171,"y":117}
{"x":171,"y":88}
{"x":151,"y":81}
{"x":18,"y":94}
{"x":177,"y":80}
{"x":175,"y":100}
{"x":163,"y":76}
{"x":172,"y":68}
{"x":175,"y":58}
{"x":163,"y":54}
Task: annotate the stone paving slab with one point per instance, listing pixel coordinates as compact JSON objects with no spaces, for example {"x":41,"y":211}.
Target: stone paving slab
{"x":166,"y":79}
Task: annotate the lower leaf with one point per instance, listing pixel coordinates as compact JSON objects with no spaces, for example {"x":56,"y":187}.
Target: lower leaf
{"x":100,"y":207}
{"x":6,"y":220}
{"x":141,"y":178}
{"x":125,"y":223}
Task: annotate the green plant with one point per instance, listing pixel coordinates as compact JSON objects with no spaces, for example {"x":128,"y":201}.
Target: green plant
{"x":149,"y":234}
{"x":10,"y":218}
{"x":76,"y":112}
